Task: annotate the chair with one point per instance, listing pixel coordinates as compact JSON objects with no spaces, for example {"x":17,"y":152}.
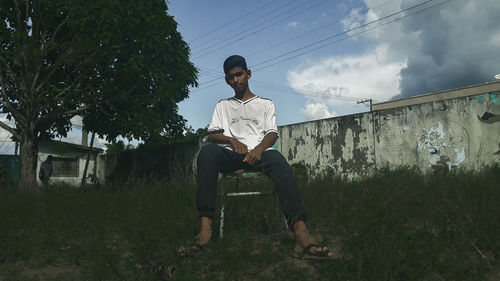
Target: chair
{"x":238,"y":175}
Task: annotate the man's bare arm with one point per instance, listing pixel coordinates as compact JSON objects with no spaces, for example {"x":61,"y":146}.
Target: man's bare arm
{"x":238,"y":146}
{"x":255,"y":155}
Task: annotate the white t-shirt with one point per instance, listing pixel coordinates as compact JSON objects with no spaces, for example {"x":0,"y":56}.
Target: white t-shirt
{"x":247,"y":121}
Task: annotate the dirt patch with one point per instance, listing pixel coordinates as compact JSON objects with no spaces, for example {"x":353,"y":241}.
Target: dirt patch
{"x":50,"y":272}
{"x":28,"y":270}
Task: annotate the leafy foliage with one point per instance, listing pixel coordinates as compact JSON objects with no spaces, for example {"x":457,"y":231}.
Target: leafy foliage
{"x":120,"y":64}
{"x":117,"y":147}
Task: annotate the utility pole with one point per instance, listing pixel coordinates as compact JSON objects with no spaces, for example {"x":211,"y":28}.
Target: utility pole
{"x":373,"y":130}
{"x":84,"y":177}
{"x":366,"y":100}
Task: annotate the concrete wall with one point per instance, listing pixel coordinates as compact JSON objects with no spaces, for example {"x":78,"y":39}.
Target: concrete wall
{"x":461,"y":132}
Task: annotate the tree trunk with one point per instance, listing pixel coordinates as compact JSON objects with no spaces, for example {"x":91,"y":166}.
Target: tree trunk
{"x":29,"y":155}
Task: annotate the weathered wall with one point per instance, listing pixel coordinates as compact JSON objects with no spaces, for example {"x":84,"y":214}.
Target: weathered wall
{"x":341,"y":145}
{"x":462,"y":132}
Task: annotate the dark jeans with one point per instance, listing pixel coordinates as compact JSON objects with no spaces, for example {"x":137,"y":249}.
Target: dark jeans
{"x":214,"y":159}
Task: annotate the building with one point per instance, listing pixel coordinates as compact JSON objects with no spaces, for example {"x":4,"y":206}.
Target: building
{"x":69,"y":161}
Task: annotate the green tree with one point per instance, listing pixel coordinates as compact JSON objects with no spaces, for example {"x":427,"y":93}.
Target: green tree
{"x":121,"y":64}
{"x":117,"y":147}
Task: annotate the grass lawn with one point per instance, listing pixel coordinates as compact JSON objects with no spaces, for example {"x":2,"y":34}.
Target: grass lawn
{"x":398,"y":225}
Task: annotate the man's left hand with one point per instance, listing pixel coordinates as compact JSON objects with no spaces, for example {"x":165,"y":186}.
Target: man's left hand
{"x":253,"y":156}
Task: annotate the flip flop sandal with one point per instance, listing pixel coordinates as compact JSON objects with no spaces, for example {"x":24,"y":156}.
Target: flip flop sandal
{"x":307,"y":253}
{"x":191,"y":249}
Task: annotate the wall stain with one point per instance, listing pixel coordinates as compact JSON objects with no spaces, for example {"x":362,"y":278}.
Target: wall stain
{"x":441,"y":165}
{"x":290,"y":155}
{"x":489,"y":118}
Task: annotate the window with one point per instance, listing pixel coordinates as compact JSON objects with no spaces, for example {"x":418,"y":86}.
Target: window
{"x":65,"y":167}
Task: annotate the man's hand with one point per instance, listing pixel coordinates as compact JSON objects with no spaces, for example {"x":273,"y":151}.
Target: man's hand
{"x":253,"y":156}
{"x":238,"y":146}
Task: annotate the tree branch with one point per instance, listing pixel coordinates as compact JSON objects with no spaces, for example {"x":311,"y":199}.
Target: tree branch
{"x":18,"y":12}
{"x":9,"y":69}
{"x":35,"y":80}
{"x":65,"y":90}
{"x":60,"y":94}
{"x":7,"y":104}
{"x":69,"y":113}
{"x":76,"y":111}
{"x":59,"y":27}
{"x":9,"y":129}
{"x":27,"y":11}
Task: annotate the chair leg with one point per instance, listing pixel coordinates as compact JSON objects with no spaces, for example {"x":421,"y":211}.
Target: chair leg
{"x":222,"y":197}
{"x":279,"y":215}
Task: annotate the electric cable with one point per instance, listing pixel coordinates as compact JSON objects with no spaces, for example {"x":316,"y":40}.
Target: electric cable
{"x":225,"y":24}
{"x":303,"y":92}
{"x":246,"y":23}
{"x":310,"y":31}
{"x":254,"y":32}
{"x":330,"y":37}
{"x":347,"y":33}
{"x":342,"y":39}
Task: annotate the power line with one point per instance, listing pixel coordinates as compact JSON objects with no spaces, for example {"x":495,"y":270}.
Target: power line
{"x":225,"y":24}
{"x":340,"y":34}
{"x":231,"y":29}
{"x":330,"y":37}
{"x":303,"y":92}
{"x":310,"y":93}
{"x":347,"y":37}
{"x":213,"y":49}
{"x":310,"y":31}
{"x":307,"y":93}
{"x":365,"y":101}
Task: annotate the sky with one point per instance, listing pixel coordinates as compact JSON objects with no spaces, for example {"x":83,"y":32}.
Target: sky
{"x":320,"y":58}
{"x":317,"y":59}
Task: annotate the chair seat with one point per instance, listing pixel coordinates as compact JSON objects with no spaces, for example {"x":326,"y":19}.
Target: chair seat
{"x":238,"y":174}
{"x":249,"y":193}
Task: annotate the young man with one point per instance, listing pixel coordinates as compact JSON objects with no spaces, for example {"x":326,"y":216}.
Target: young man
{"x":249,"y":124}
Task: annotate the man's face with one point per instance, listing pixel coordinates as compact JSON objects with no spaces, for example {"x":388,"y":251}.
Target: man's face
{"x":237,"y":78}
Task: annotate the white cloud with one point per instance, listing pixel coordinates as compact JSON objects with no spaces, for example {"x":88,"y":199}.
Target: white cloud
{"x":444,"y":47}
{"x":447,"y":46}
{"x":315,"y":111}
{"x":354,"y":20}
{"x":342,"y":7}
{"x":343,"y":80}
{"x":293,"y":24}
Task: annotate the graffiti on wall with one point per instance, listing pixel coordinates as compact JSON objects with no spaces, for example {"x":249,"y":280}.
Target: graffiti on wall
{"x":489,"y":99}
{"x":440,"y":149}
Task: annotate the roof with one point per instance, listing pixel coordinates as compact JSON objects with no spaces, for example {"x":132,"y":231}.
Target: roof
{"x":74,"y":145}
{"x":442,"y":95}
